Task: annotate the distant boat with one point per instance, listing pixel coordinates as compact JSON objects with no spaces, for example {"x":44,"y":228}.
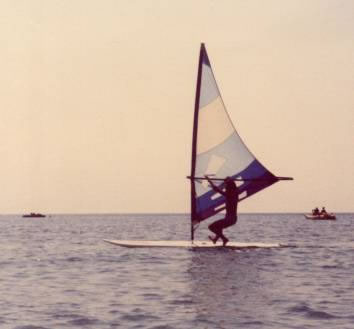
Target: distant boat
{"x":33,"y":215}
{"x":321,"y":217}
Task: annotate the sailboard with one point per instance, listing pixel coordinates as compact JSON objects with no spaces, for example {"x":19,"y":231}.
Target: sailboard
{"x":217,"y":152}
{"x":191,"y":244}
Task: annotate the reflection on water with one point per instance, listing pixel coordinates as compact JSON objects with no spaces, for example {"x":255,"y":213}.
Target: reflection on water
{"x":227,"y":285}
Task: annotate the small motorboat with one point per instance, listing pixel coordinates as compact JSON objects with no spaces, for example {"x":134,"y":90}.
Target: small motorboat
{"x":321,"y":217}
{"x":33,"y":215}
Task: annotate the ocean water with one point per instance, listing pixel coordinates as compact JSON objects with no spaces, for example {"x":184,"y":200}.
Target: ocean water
{"x":57,"y":272}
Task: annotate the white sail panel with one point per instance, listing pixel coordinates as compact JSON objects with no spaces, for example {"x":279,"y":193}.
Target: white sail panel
{"x":235,"y":158}
{"x":214,"y":126}
{"x":210,"y":90}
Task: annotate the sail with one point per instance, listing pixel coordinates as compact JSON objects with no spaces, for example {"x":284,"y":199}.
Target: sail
{"x":218,"y":150}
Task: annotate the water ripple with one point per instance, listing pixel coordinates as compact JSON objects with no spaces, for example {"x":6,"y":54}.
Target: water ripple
{"x":311,"y":313}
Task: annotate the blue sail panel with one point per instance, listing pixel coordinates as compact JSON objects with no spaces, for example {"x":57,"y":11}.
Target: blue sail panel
{"x":210,"y":203}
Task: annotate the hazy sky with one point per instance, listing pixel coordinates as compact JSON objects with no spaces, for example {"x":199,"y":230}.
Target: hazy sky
{"x":97,"y":100}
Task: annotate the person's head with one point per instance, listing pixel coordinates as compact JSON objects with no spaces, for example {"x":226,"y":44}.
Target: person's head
{"x":230,"y":184}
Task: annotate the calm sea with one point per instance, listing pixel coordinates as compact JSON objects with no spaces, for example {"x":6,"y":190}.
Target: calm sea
{"x":57,"y":272}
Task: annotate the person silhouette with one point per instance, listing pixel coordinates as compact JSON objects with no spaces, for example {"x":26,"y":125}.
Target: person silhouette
{"x":323,"y":211}
{"x":316,"y":211}
{"x":231,"y":202}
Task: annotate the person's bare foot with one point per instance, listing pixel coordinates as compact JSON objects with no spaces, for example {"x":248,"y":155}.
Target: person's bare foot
{"x":225,"y":241}
{"x":213,"y":239}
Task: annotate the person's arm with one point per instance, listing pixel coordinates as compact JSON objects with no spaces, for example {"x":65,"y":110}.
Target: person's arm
{"x":215,"y":188}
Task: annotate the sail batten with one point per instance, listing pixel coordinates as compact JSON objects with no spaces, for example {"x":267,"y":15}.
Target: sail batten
{"x":218,"y":150}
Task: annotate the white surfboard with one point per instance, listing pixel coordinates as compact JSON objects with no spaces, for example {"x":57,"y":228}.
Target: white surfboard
{"x":190,"y":244}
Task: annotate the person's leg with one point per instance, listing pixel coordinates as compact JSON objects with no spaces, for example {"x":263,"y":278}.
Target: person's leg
{"x":216,"y":228}
{"x":222,"y":236}
{"x":226,"y":223}
{"x":225,"y":240}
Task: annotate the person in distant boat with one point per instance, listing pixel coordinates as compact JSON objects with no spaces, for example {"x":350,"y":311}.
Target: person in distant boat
{"x":323,"y":211}
{"x":315,"y":211}
{"x":231,"y":196}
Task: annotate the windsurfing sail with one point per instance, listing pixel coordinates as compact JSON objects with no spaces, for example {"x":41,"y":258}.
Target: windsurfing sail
{"x":218,"y":150}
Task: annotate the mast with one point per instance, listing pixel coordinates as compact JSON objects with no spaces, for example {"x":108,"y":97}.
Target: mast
{"x":194,"y":141}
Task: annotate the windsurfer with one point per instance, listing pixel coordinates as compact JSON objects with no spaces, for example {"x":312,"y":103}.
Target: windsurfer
{"x":231,"y":196}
